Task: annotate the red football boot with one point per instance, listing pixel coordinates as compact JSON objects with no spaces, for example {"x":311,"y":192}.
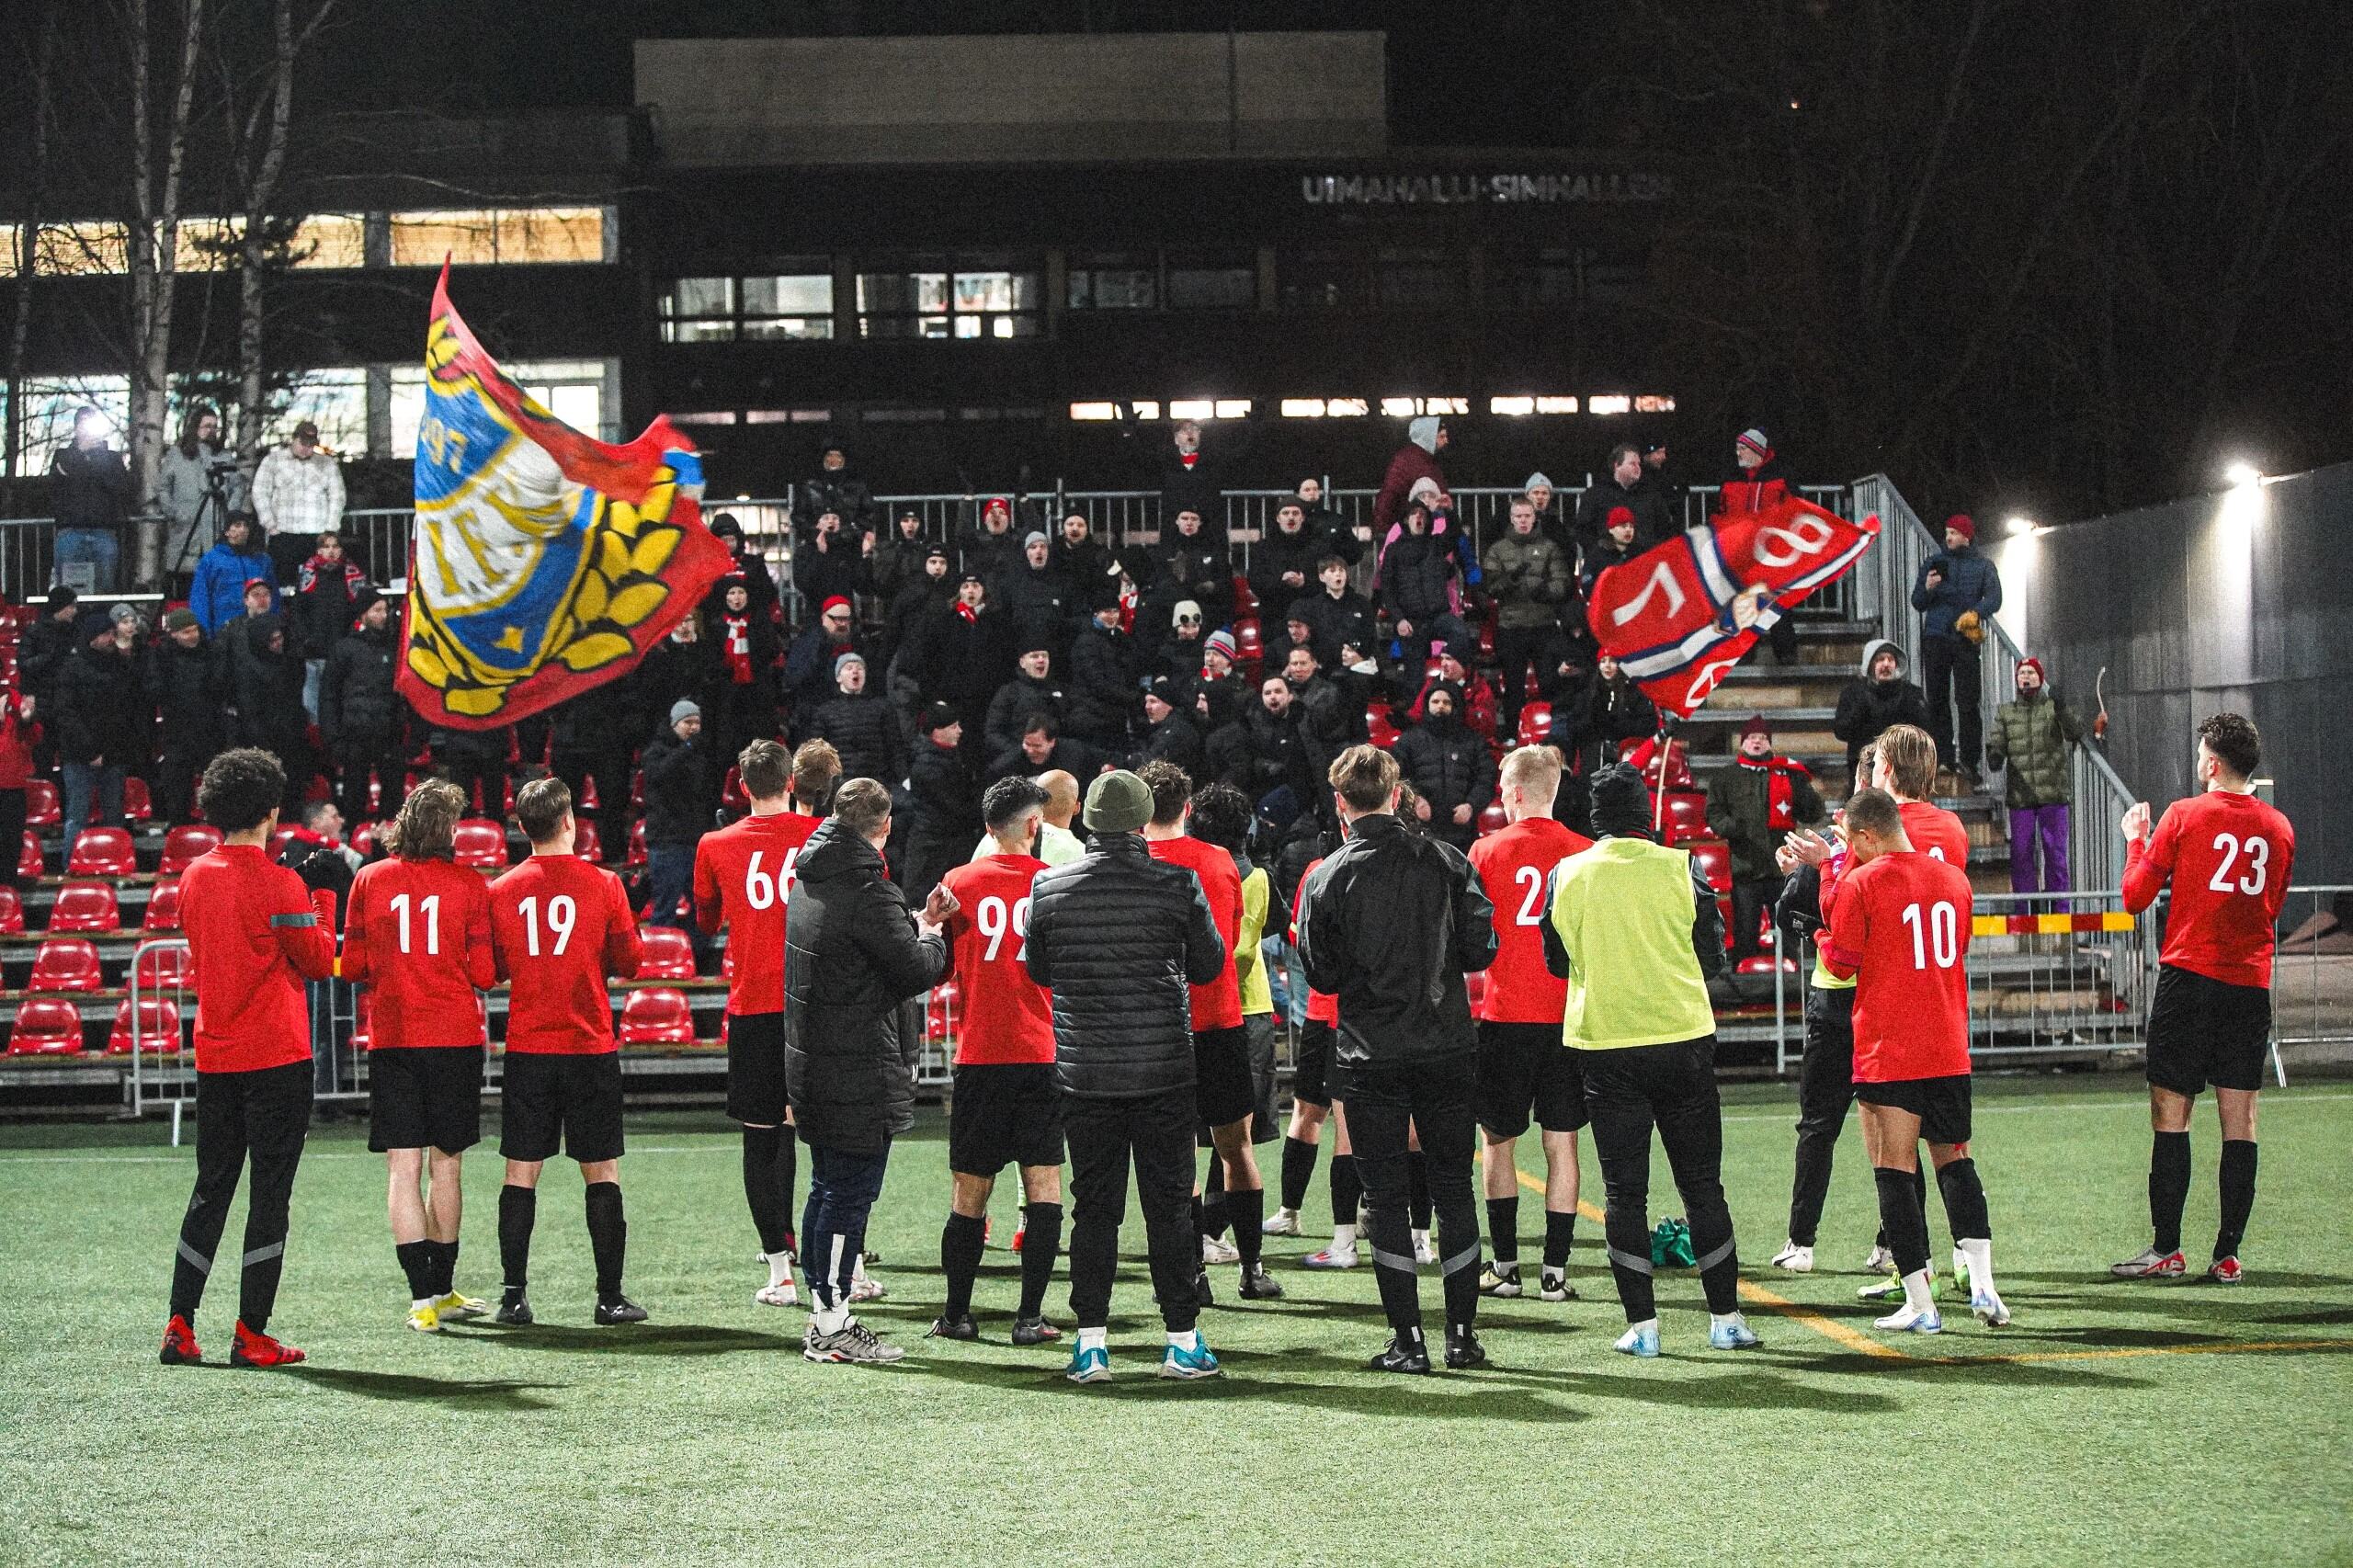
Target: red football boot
{"x":179,"y":1345}
{"x":253,"y":1349}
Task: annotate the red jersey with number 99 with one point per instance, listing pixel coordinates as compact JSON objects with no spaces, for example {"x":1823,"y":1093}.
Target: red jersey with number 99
{"x":1902,"y":929}
{"x":2228,"y":855}
{"x":742,"y":875}
{"x":1512,"y":865}
{"x":1005,"y":1015}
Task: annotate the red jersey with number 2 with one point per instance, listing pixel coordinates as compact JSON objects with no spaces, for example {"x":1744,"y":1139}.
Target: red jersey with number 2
{"x":1218,"y":1005}
{"x":1006,"y":1017}
{"x":2228,"y":857}
{"x":742,"y":875}
{"x":1512,"y":865}
{"x":1902,"y":929}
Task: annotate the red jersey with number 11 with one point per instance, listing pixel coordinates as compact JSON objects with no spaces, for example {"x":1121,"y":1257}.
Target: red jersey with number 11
{"x":1512,"y":865}
{"x":418,"y":937}
{"x":1902,"y":930}
{"x":2228,"y":857}
{"x":1006,"y":1017}
{"x":742,"y":875}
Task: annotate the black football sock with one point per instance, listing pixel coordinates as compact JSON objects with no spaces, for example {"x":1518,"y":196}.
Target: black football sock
{"x":1417,"y":1188}
{"x":1298,"y":1169}
{"x":1248,"y":1210}
{"x":1347,"y":1190}
{"x":1920,"y":1201}
{"x":1214,"y":1216}
{"x":1964,"y":1196}
{"x":1503,"y":1230}
{"x":761,"y":1192}
{"x":788,"y":1167}
{"x":446,"y":1262}
{"x":961,"y":1241}
{"x":608,"y":1237}
{"x":1905,"y":1221}
{"x":2168,"y":1188}
{"x":2238,"y":1194}
{"x":1462,"y":1288}
{"x":416,"y":1262}
{"x":1040,"y":1240}
{"x":518,"y":1206}
{"x":1560,"y":1230}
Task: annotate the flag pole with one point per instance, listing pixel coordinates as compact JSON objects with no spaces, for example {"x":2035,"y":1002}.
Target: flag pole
{"x":1663,"y":739}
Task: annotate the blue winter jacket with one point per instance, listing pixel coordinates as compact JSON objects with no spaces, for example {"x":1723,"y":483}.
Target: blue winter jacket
{"x":218,"y":594}
{"x":1971,"y":583}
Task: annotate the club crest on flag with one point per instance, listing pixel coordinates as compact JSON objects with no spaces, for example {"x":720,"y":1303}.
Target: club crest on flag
{"x":544,"y":561}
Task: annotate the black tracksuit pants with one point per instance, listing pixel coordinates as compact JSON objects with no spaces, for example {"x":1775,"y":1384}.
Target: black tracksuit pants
{"x":1672,"y":1087}
{"x":263,"y":1115}
{"x":1951,"y":670}
{"x":1387,"y":1102}
{"x":1157,"y":1132}
{"x":1826,"y":1088}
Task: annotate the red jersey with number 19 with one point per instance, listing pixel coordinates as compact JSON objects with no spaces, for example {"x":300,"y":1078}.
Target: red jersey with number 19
{"x":418,"y":937}
{"x":1007,"y":1016}
{"x":742,"y":875}
{"x":1512,"y":865}
{"x":2228,"y":857}
{"x":559,"y":925}
{"x":1902,"y":929}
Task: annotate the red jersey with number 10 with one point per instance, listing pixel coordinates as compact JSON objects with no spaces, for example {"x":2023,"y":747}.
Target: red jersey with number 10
{"x":1005,"y":1015}
{"x":1512,"y":865}
{"x":742,"y":875}
{"x":558,"y":927}
{"x":418,"y":937}
{"x":2228,"y":857}
{"x":1902,"y":929}
{"x":1218,"y":1005}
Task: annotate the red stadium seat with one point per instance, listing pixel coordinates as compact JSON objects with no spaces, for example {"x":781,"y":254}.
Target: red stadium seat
{"x":637,"y":856}
{"x":731,"y":792}
{"x":1246,"y":601}
{"x":41,"y":807}
{"x":1687,"y":817}
{"x":184,"y":845}
{"x":658,"y":1016}
{"x":583,"y":840}
{"x":1474,"y":987}
{"x":164,"y":966}
{"x":46,"y":1028}
{"x":277,"y":842}
{"x":587,"y":802}
{"x":154,"y":1027}
{"x":1643,"y":756}
{"x":12,"y":914}
{"x":363,"y":838}
{"x":30,"y":868}
{"x":137,"y":804}
{"x":637,"y":790}
{"x":1379,"y":730}
{"x":482,"y":843}
{"x":1762,"y":964}
{"x":1495,"y":819}
{"x":1535,"y":723}
{"x":85,"y":906}
{"x":670,"y":953}
{"x":939,"y":1013}
{"x":1487,"y":635}
{"x":66,"y":963}
{"x":102,"y":852}
{"x":163,"y":908}
{"x":1713,"y":856}
{"x":1249,"y":644}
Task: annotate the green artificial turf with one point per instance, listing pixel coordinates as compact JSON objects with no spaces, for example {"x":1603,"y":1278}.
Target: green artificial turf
{"x":703,"y":1437}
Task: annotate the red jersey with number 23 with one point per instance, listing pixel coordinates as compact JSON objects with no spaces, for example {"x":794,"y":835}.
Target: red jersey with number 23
{"x":1512,"y":865}
{"x":1218,"y":1005}
{"x":2228,"y":855}
{"x":742,"y":875}
{"x":1902,"y":929}
{"x":559,"y":925}
{"x":1005,"y":1015}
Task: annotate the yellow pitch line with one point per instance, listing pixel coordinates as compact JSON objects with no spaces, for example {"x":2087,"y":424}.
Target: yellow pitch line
{"x":2218,"y":1347}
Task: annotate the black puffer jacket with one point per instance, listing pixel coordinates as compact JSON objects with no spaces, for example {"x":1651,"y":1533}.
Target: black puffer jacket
{"x":1017,"y":702}
{"x":852,"y":965}
{"x":681,"y":790}
{"x":1103,"y":685}
{"x":866,"y":733}
{"x":99,"y":712}
{"x":1119,"y":937}
{"x":1390,"y":923}
{"x":1449,"y":765}
{"x":183,"y":683}
{"x":1037,"y":602}
{"x":358,"y":703}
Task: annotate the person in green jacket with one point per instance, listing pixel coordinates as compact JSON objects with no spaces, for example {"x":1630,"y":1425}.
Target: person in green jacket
{"x":2032,"y":738}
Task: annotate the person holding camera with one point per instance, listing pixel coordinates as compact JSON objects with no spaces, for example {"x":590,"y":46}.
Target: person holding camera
{"x":197,"y":486}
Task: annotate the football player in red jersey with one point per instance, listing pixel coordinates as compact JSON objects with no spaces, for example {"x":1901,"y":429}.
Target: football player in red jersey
{"x":1523,"y":1065}
{"x":1902,"y":929}
{"x":743,"y":876}
{"x":1222,"y":1084}
{"x":2227,"y":857}
{"x":418,"y":937}
{"x":558,"y":927}
{"x":1003,"y":1108}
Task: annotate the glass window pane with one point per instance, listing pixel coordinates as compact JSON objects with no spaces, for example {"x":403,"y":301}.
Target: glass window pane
{"x":49,"y":415}
{"x":1323,"y":280}
{"x":1212,"y":289}
{"x":335,"y":400}
{"x":338,"y":239}
{"x":577,"y":406}
{"x":700,"y":296}
{"x":489,"y":235}
{"x":721,"y":331}
{"x":773,"y":327}
{"x":901,"y":293}
{"x":796,"y":294}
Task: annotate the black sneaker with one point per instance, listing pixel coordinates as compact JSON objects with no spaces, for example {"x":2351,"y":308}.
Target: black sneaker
{"x":960,"y":1326}
{"x":1401,"y":1356}
{"x":1257,"y":1284}
{"x":1463,"y":1349}
{"x":514,"y":1308}
{"x":1203,"y":1295}
{"x":618,"y":1307}
{"x":1034,"y":1331}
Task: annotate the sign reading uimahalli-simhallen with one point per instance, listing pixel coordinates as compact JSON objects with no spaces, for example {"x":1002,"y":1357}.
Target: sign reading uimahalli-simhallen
{"x":1465,"y":190}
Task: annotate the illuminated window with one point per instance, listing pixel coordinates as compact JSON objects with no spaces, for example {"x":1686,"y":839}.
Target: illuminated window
{"x":335,"y":400}
{"x":1146,"y":408}
{"x":498,"y":236}
{"x":715,"y":416}
{"x":1407,"y":407}
{"x":82,"y":250}
{"x":948,"y":303}
{"x":797,"y":304}
{"x":1346,"y":408}
{"x":1191,"y":408}
{"x":1652,"y":403}
{"x":1556,"y":405}
{"x":209,"y":244}
{"x":330,"y":240}
{"x":1608,"y":403}
{"x":1303,"y":408}
{"x":1511,"y":405}
{"x":1093,"y":411}
{"x":48,"y":425}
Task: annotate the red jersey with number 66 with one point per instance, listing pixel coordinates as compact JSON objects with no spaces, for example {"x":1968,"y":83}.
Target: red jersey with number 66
{"x":1902,"y":930}
{"x":559,"y":925}
{"x":2228,"y":857}
{"x":742,"y":875}
{"x":1007,"y":1016}
{"x":418,"y":937}
{"x":1512,"y":865}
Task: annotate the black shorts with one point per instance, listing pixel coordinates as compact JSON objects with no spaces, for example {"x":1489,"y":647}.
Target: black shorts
{"x":1003,"y":1113}
{"x":755,"y":1093}
{"x":1942,"y":1104}
{"x":1258,"y":1029}
{"x":1221,"y":1088}
{"x":424,"y":1096}
{"x":1525,"y":1067}
{"x":560,"y":1098}
{"x":2203,"y":1031}
{"x":1311,"y":1070}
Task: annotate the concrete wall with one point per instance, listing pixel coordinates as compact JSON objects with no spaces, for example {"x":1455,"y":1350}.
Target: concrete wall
{"x":2240,"y":601}
{"x":1139,"y":96}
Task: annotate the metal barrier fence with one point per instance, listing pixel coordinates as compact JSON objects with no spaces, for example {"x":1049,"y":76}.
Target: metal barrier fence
{"x":2311,"y":980}
{"x":162,"y":1010}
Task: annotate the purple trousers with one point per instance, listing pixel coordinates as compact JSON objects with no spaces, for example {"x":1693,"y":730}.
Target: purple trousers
{"x":2047,"y":826}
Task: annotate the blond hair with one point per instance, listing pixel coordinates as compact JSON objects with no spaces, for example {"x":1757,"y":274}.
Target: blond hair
{"x":1534,"y":771}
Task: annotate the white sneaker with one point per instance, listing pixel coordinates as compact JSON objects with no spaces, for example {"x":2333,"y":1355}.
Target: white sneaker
{"x":1281,"y":1222}
{"x":1989,"y":1309}
{"x":1217,"y":1249}
{"x":864,"y":1286}
{"x":1795,"y":1258}
{"x":1425,"y":1250}
{"x":1909,"y":1319}
{"x":1879,"y":1261}
{"x":780,"y":1294}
